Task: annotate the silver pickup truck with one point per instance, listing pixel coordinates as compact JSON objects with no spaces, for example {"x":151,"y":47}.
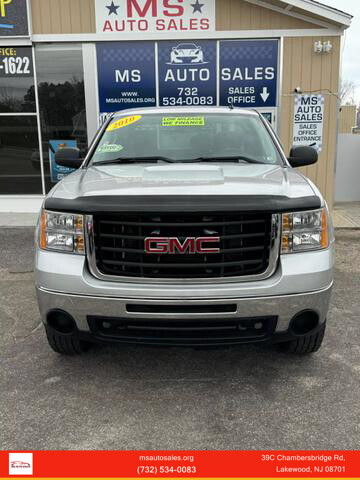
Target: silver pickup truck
{"x":185,"y":226}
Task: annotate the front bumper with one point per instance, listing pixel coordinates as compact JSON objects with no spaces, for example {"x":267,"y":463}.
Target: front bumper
{"x":82,"y":308}
{"x":186,"y":60}
{"x":302,"y":282}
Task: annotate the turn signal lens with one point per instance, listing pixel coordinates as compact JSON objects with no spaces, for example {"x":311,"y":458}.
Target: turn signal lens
{"x":43,"y":230}
{"x":324,"y":229}
{"x":62,"y":232}
{"x":304,"y":231}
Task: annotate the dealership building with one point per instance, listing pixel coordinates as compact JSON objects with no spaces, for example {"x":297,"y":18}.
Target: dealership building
{"x":66,"y":64}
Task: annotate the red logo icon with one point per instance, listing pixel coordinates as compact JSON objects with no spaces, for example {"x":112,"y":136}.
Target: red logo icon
{"x":172,"y":245}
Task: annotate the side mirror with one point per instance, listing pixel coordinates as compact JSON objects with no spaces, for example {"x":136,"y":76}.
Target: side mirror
{"x":302,"y":156}
{"x":68,"y":157}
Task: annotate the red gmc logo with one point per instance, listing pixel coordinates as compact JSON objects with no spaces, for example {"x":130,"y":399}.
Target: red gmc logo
{"x":173,"y":245}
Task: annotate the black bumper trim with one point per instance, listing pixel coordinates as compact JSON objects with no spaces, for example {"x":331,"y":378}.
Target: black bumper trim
{"x":275,"y":338}
{"x":182,"y":331}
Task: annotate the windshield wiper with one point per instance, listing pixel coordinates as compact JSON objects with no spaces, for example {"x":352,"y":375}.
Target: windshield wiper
{"x":233,"y":158}
{"x":125,"y":160}
{"x":134,"y":160}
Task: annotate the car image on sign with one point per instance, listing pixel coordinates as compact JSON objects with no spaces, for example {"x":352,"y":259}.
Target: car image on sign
{"x":186,"y":53}
{"x":18,"y":464}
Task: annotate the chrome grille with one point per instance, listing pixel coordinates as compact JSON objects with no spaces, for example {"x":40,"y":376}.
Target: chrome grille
{"x":246,"y":240}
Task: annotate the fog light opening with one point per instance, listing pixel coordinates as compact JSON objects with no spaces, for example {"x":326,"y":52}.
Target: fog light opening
{"x":61,"y":322}
{"x":304,"y":322}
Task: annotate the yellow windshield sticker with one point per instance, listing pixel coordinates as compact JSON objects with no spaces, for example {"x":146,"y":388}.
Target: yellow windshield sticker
{"x":123,"y":122}
{"x":183,"y":121}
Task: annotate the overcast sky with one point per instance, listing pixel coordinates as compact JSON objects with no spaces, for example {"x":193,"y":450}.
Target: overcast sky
{"x":351,"y":57}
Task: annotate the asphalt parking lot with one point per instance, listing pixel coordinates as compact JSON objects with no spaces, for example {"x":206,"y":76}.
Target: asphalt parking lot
{"x":130,"y":397}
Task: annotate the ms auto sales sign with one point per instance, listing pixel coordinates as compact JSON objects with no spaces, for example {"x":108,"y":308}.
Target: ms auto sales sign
{"x":309,"y":121}
{"x":154,"y":16}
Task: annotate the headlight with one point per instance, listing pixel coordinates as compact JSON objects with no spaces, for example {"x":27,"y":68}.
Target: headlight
{"x":62,"y":232}
{"x":304,"y":231}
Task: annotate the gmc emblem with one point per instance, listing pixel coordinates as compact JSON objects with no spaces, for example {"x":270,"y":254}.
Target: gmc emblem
{"x":173,"y":245}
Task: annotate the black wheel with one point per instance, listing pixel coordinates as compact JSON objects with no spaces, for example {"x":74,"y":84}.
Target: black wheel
{"x":65,"y":344}
{"x":306,"y":344}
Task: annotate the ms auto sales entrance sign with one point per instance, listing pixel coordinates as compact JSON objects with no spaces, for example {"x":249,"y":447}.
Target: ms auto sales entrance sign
{"x":154,"y":16}
{"x":309,"y":121}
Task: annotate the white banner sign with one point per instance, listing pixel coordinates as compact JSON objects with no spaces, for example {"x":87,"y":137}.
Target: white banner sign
{"x":155,"y":16}
{"x":309,"y":121}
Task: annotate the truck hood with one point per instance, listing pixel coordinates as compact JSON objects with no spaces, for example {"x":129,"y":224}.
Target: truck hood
{"x":184,"y":179}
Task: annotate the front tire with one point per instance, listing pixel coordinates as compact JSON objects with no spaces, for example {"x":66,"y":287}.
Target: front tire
{"x":65,"y":344}
{"x":306,"y":344}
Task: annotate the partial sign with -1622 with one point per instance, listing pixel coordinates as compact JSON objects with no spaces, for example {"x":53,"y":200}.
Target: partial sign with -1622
{"x":16,"y":62}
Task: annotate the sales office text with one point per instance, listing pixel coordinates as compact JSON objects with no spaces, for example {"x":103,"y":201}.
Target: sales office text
{"x":199,"y":74}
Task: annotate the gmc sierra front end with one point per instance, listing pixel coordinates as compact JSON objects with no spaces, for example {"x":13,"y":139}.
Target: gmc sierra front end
{"x":185,"y":226}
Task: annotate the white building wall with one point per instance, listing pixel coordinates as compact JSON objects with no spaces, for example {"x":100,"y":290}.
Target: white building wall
{"x":347,"y":177}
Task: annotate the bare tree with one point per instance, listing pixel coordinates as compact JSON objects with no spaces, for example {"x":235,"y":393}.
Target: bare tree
{"x":347,"y":93}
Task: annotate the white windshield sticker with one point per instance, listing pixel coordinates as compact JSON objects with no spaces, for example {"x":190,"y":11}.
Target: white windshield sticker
{"x":109,"y":148}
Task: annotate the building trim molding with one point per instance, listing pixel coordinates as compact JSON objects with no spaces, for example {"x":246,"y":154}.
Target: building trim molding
{"x":287,"y":11}
{"x":220,"y":34}
{"x":325,"y":11}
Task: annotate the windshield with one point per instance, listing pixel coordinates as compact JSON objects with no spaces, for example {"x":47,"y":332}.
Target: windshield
{"x":184,"y":137}
{"x":186,"y":46}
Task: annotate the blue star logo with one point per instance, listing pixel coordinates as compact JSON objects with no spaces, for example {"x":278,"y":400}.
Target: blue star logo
{"x":112,"y":8}
{"x":197,"y":6}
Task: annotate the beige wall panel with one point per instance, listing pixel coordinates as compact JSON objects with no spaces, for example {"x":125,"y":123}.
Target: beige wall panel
{"x":55,"y":18}
{"x":334,"y":113}
{"x":319,"y":74}
{"x":78,"y":16}
{"x":347,"y":120}
{"x":63,"y":16}
{"x":241,"y":15}
{"x":285,"y":105}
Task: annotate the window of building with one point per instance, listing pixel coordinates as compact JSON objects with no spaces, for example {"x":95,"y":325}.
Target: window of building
{"x":16,"y":80}
{"x":20,"y":171}
{"x":60,"y":78}
{"x":19,"y":156}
